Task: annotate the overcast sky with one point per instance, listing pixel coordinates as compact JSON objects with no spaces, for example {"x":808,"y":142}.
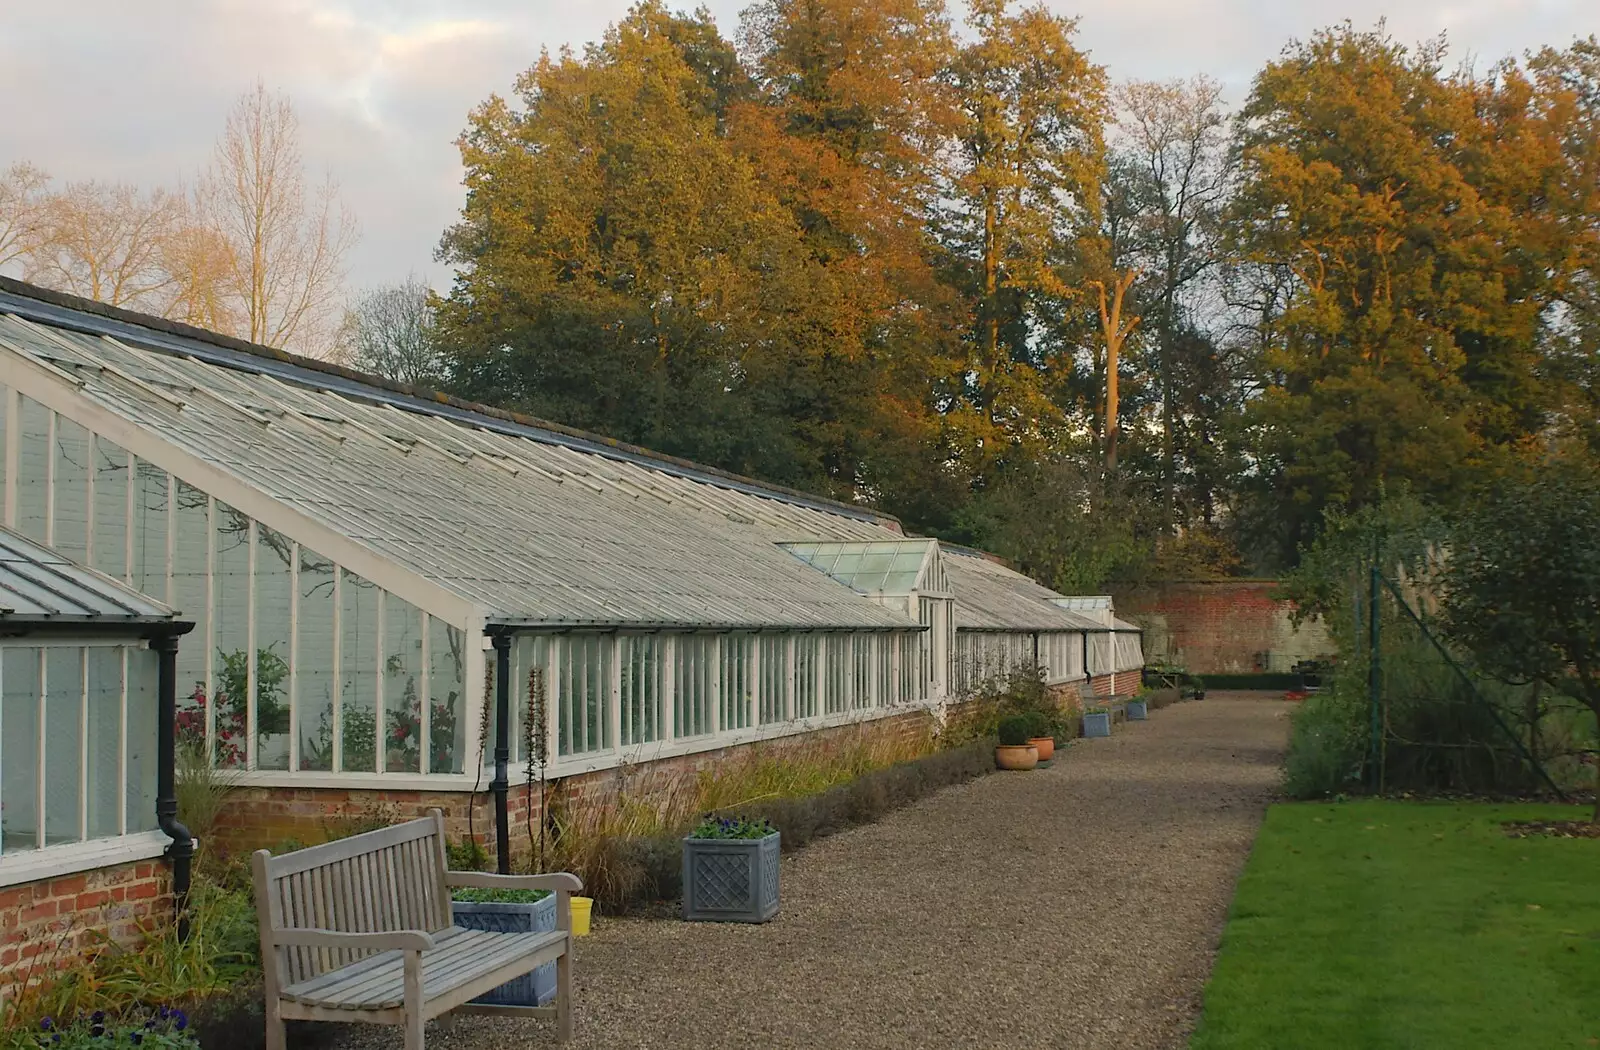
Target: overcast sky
{"x":137,"y":91}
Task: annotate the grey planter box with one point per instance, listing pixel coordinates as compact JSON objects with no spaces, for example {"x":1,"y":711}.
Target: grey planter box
{"x":534,"y":989}
{"x":1138,"y":710}
{"x":730,"y":880}
{"x":1097,"y":723}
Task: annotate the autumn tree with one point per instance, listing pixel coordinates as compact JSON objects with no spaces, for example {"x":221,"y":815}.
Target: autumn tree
{"x":848,"y":130}
{"x":23,"y":196}
{"x":622,"y":267}
{"x":286,"y":241}
{"x":103,"y":242}
{"x":1024,"y":190}
{"x":1404,"y":352}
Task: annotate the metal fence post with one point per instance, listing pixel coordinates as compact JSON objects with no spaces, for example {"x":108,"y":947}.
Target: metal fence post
{"x":1374,"y":681}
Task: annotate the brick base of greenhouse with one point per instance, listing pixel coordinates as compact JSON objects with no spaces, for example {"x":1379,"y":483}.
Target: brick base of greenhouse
{"x":254,"y":818}
{"x":277,"y":818}
{"x":52,"y":923}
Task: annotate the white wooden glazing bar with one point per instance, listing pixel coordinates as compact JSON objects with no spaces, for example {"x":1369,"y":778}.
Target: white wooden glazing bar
{"x":338,"y":668}
{"x":425,"y":695}
{"x":92,"y":462}
{"x":83,"y":743}
{"x":294,"y":657}
{"x":667,"y":726}
{"x":379,"y":737}
{"x":127,"y":531}
{"x":122,"y":743}
{"x":50,"y":482}
{"x":211,"y":602}
{"x":713,"y":700}
{"x":13,"y":439}
{"x":251,"y":716}
{"x":2,"y":726}
{"x":788,"y":677}
{"x":751,"y":687}
{"x":560,"y":727}
{"x":611,"y":647}
{"x":39,"y":784}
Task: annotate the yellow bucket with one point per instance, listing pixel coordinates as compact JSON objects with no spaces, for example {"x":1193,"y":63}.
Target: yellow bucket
{"x":581,"y":907}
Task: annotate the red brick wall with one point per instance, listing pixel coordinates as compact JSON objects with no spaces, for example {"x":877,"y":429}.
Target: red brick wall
{"x":1220,"y":626}
{"x":46,"y":925}
{"x":1122,"y":683}
{"x":254,"y":818}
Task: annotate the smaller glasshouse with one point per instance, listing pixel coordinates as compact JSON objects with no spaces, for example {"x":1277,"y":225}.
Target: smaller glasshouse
{"x":87,"y":689}
{"x":381,"y":579}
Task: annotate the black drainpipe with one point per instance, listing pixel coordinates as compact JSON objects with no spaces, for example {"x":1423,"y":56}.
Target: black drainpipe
{"x":502,"y":751}
{"x":1086,"y":656}
{"x":181,"y":851}
{"x":1036,"y":648}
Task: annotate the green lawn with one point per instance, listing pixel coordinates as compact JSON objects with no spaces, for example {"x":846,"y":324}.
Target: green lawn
{"x":1368,"y":925}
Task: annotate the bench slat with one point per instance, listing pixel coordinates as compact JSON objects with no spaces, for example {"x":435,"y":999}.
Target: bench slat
{"x":379,"y":982}
{"x":355,"y":845}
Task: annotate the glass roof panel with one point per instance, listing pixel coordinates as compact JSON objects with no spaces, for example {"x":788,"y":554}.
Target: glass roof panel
{"x":890,"y":567}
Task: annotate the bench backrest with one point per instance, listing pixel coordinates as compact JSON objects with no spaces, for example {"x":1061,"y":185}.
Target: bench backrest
{"x":375,"y":882}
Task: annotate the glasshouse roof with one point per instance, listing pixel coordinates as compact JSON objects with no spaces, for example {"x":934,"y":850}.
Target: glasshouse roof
{"x":39,"y":586}
{"x":991,"y":597}
{"x":877,"y":566}
{"x":532,"y":525}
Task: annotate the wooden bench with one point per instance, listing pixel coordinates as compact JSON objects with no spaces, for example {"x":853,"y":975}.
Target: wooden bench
{"x":360,"y":930}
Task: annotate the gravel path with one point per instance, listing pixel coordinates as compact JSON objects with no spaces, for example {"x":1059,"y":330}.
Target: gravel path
{"x":1077,"y":906}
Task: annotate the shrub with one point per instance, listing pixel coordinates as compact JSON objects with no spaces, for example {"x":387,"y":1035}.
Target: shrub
{"x":715,"y":827}
{"x":164,"y":1029}
{"x":1014,"y":730}
{"x":1326,"y":748}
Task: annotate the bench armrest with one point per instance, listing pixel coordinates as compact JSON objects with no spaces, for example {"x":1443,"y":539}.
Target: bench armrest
{"x":555,"y":882}
{"x":405,"y":940}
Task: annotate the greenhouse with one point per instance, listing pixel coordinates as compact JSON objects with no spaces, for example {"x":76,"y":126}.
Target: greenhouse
{"x":368,"y":566}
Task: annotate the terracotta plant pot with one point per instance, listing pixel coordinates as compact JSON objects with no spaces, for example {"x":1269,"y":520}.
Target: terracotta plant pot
{"x":1020,"y":756}
{"x":1045,"y":745}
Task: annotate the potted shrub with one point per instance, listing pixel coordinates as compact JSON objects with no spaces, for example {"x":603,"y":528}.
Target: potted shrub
{"x":1138,"y":708}
{"x":730,"y":870}
{"x":1041,"y":735}
{"x":510,"y":911}
{"x":1014,"y":751}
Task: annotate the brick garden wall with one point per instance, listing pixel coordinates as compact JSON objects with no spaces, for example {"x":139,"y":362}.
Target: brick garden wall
{"x":1221,"y":626}
{"x":48,"y":924}
{"x":272,"y":818}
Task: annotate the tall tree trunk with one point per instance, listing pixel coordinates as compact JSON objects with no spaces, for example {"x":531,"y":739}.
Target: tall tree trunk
{"x":1116,"y":330}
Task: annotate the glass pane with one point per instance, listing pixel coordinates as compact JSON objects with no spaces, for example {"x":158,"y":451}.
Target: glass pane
{"x":105,"y":740}
{"x":33,"y":463}
{"x":71,"y":536}
{"x":692,"y":668}
{"x":402,"y":685}
{"x":272,"y":584}
{"x":358,"y":673}
{"x":63,"y":739}
{"x":230,"y":639}
{"x":446,"y":673}
{"x":150,"y":524}
{"x":190,"y":587}
{"x":19,"y":748}
{"x":314,"y":661}
{"x":142,"y":669}
{"x":110,"y":509}
{"x":5,"y":406}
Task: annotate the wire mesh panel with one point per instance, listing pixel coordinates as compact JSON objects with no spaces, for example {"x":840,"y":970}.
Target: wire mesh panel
{"x":1439,"y":726}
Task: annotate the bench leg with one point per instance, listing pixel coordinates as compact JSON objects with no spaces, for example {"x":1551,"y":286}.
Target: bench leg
{"x":564,"y":995}
{"x":277,"y":1038}
{"x":413,"y":1000}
